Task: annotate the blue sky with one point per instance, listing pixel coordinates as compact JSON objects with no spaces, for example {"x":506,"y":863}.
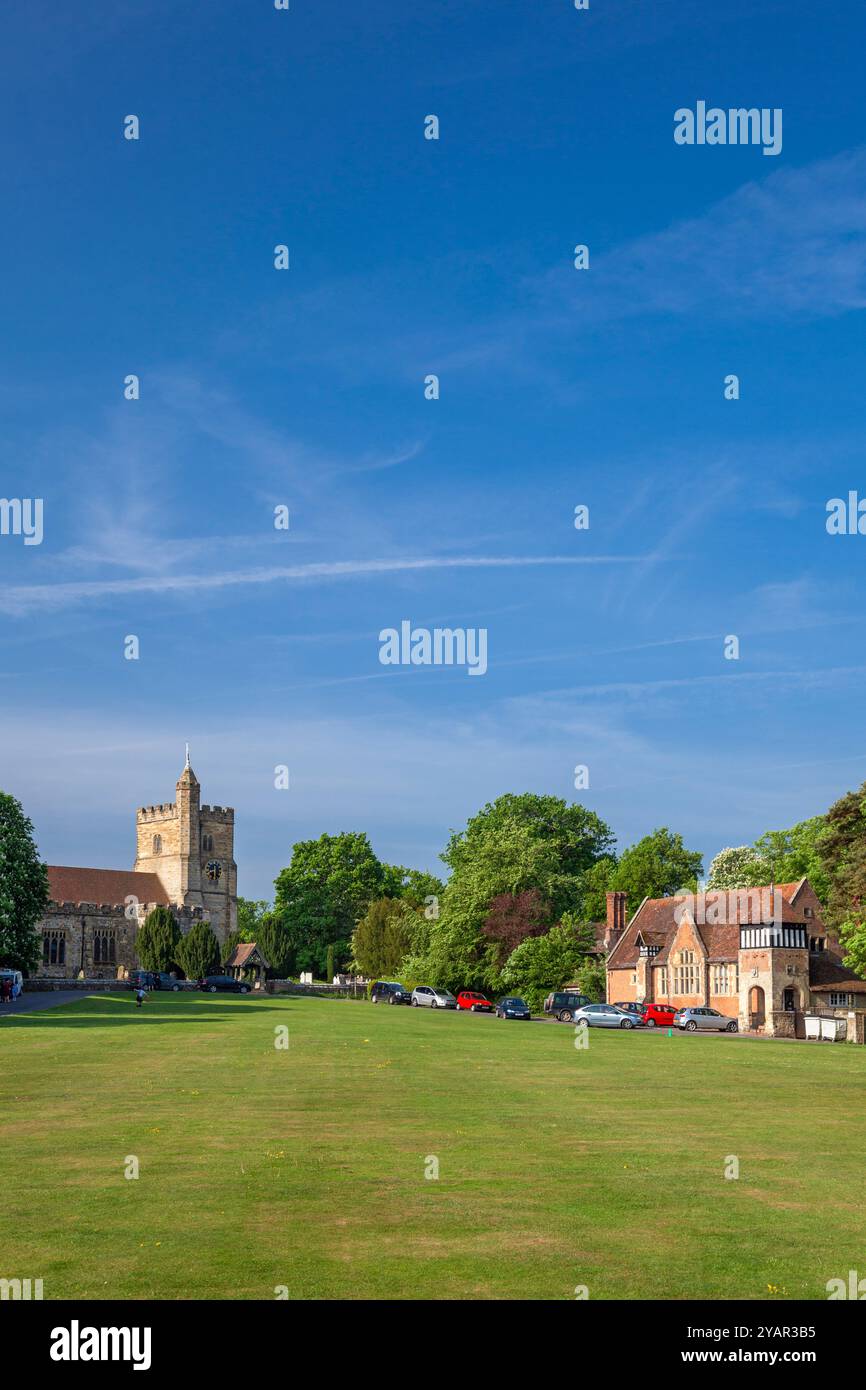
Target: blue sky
{"x":305,"y":387}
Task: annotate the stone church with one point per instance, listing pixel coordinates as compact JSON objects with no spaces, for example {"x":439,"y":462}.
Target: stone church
{"x":184,"y":860}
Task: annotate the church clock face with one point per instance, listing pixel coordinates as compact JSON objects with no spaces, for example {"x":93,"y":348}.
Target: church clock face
{"x":213,"y":869}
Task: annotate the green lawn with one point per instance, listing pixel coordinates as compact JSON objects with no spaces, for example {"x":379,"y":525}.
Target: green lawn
{"x":305,"y":1167}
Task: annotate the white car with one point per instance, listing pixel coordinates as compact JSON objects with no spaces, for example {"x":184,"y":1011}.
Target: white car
{"x":17,"y":980}
{"x":425,"y":996}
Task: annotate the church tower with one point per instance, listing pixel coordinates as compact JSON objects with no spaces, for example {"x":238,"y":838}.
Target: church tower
{"x":190,"y":848}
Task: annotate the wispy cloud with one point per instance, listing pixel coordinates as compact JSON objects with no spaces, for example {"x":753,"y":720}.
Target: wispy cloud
{"x":23,"y":599}
{"x":791,"y":244}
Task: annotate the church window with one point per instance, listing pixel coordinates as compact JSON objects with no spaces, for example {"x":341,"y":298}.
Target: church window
{"x":662,"y":976}
{"x":104,"y":948}
{"x":207,"y":842}
{"x":157,"y":844}
{"x":54,"y":947}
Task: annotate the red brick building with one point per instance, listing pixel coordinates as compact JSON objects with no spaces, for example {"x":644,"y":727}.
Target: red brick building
{"x":761,"y":955}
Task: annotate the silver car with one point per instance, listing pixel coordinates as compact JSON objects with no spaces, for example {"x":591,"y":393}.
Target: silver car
{"x":425,"y":996}
{"x":705,"y":1020}
{"x":606,"y":1016}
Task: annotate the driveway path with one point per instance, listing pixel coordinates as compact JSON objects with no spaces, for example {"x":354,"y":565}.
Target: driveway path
{"x":41,"y":999}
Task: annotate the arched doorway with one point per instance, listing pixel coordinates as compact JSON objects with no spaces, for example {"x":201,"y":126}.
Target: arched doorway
{"x":757,"y":1011}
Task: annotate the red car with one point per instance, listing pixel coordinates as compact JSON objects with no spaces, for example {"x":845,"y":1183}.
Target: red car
{"x":476,"y":1003}
{"x":659,"y":1015}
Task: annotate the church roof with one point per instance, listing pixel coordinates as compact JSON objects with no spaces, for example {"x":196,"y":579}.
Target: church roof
{"x":113,"y":886}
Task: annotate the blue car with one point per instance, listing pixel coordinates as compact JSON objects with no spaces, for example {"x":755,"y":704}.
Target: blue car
{"x":512,"y":1007}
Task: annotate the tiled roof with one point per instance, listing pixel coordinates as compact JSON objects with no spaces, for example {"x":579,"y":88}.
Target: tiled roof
{"x":243,"y":952}
{"x":827,"y":972}
{"x":656,"y":921}
{"x":111,"y":886}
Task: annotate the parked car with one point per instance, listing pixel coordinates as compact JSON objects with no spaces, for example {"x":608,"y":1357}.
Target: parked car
{"x":425,"y":996}
{"x":16,"y":981}
{"x":166,"y":981}
{"x":632,"y":1008}
{"x":563,"y":1004}
{"x":475,"y":1003}
{"x":512,"y":1007}
{"x":142,"y":979}
{"x":658,"y":1015}
{"x":706,"y":1020}
{"x":224,"y":984}
{"x":606,"y":1016}
{"x":389,"y":992}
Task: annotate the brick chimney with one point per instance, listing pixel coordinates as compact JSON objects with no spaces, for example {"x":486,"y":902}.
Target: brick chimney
{"x":615,"y":925}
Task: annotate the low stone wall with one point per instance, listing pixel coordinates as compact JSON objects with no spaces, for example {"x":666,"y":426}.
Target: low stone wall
{"x":316,"y":991}
{"x":40,"y":984}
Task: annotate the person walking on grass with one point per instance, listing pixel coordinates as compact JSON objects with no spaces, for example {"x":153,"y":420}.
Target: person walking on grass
{"x":139,"y":997}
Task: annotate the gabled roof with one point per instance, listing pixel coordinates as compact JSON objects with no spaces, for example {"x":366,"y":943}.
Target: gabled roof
{"x":657,"y":920}
{"x":110,"y":886}
{"x":243,"y":954}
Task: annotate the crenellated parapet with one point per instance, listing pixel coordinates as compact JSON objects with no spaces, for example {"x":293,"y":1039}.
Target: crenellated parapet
{"x":223,"y":813}
{"x":153,"y":813}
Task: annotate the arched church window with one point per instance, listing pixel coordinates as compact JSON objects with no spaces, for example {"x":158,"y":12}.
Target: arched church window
{"x":157,"y":844}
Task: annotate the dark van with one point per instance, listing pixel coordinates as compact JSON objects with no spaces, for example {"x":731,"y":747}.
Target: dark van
{"x":563,"y":1004}
{"x":389,"y":992}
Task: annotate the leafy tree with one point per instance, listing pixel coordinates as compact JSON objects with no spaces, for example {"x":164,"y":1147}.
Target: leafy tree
{"x":23,"y":888}
{"x":382,"y":937}
{"x":596,"y":883}
{"x":250,"y":914}
{"x":414,"y":886}
{"x":843,"y":854}
{"x":275,"y":942}
{"x":329,"y":965}
{"x":157,"y":940}
{"x":575,"y":836}
{"x":322,"y":893}
{"x":198,"y":951}
{"x":656,"y":867}
{"x":512,"y":917}
{"x":543,"y":963}
{"x":789,"y":855}
{"x":592,"y":979}
{"x":516,"y":844}
{"x":778,"y":856}
{"x":737,"y":866}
